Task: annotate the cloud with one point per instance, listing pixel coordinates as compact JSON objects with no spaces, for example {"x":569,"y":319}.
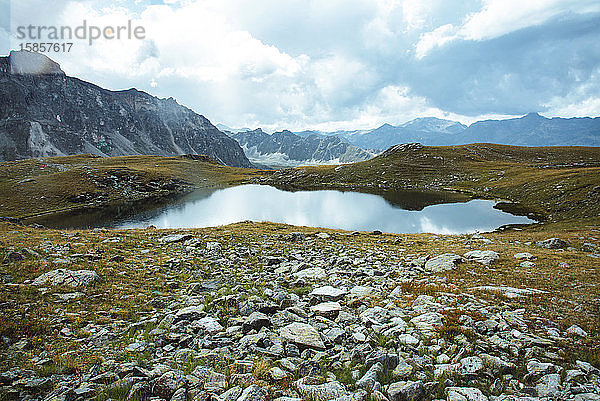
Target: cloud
{"x":501,"y":17}
{"x":514,"y":73}
{"x":436,"y":38}
{"x":343,"y":64}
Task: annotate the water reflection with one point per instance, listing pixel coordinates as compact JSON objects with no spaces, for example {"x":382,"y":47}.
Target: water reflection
{"x":331,"y":209}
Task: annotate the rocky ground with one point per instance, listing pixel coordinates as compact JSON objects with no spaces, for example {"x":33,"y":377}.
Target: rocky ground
{"x":266,"y":311}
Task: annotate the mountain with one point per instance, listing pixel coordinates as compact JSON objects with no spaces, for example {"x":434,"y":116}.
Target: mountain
{"x":44,"y":112}
{"x":424,"y":130}
{"x":530,"y":130}
{"x":535,"y":130}
{"x":288,"y":149}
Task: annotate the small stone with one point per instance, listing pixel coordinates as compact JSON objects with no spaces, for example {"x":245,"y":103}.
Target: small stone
{"x":524,"y":256}
{"x":359,"y":337}
{"x":277,"y":373}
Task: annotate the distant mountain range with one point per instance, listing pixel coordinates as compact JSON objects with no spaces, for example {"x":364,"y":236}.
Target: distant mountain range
{"x":530,"y":130}
{"x":284,"y":149}
{"x":43,"y":112}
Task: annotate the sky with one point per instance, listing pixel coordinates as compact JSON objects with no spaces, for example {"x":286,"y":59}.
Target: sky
{"x":337,"y":64}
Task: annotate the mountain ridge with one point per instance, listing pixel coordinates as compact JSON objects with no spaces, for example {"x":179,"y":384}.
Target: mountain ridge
{"x":532,"y":129}
{"x":285,"y":148}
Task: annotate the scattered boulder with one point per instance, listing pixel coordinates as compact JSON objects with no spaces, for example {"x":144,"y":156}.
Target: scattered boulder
{"x":552,"y":243}
{"x":174,"y":238}
{"x":483,"y":257}
{"x":73,"y":278}
{"x":312,"y":389}
{"x":465,"y":394}
{"x":442,"y":263}
{"x":406,"y":391}
{"x":303,"y":335}
{"x":327,"y":293}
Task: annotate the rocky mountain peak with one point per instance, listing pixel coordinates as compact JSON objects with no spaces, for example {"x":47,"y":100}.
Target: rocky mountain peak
{"x":44,"y":112}
{"x":26,"y":62}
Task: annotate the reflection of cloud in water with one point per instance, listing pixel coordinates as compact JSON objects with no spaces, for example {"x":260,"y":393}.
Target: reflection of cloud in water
{"x":332,"y":209}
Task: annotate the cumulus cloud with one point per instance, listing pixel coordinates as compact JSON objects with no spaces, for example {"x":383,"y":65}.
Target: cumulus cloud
{"x":342,"y":64}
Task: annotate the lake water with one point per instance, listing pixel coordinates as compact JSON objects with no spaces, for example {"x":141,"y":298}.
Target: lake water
{"x":330,"y":209}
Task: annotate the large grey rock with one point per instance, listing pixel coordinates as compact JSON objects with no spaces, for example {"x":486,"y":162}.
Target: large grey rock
{"x":231,"y":395}
{"x":327,"y":309}
{"x":587,"y":397}
{"x":369,"y":379}
{"x":441,"y":263}
{"x":309,"y":388}
{"x":253,"y":393}
{"x":210,"y":378}
{"x":548,"y":385}
{"x":166,"y":385}
{"x":174,"y":238}
{"x":311,"y":273}
{"x":209,"y":324}
{"x":361,"y":292}
{"x":524,"y":256}
{"x":406,"y":391}
{"x":465,"y":394}
{"x":403,"y":370}
{"x":303,"y":335}
{"x":256,"y":321}
{"x":483,"y":257}
{"x":328,"y":293}
{"x":428,"y":322}
{"x":188,"y":313}
{"x":471,"y":365}
{"x":497,"y":364}
{"x":73,"y":278}
{"x":552,"y":243}
{"x":577,"y":331}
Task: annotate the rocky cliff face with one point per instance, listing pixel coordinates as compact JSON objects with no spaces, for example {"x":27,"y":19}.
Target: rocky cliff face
{"x":43,"y":112}
{"x":287,"y":148}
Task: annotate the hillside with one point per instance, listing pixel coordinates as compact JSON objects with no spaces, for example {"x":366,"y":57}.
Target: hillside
{"x":263,"y":311}
{"x":44,"y":112}
{"x":553,"y":183}
{"x":55,"y":187}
